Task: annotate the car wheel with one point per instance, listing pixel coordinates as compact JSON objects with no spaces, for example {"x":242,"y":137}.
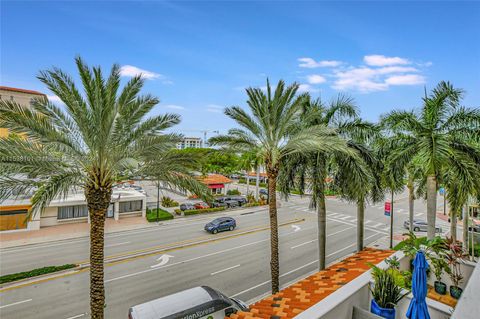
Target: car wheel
{"x":231,"y":228}
{"x":214,"y":231}
{"x":416,"y":229}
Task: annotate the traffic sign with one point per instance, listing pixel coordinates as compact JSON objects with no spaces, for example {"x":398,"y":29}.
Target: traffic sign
{"x":388,"y":209}
{"x":442,"y":191}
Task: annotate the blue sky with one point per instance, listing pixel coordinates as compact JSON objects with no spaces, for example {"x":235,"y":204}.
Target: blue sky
{"x":199,"y":56}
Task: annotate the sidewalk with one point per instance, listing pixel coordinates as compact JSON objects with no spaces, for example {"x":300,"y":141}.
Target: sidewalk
{"x":68,"y":231}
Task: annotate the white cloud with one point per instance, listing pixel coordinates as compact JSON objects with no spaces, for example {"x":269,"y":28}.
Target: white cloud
{"x":130,"y":71}
{"x":381,"y":60}
{"x":316,"y":79}
{"x":311,"y":63}
{"x":174,"y":107}
{"x":213,"y":108}
{"x":396,"y":69}
{"x":407,"y":79}
{"x":307,"y":88}
{"x":54,"y":99}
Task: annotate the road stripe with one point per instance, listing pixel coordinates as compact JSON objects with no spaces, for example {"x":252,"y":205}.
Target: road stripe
{"x":376,"y":225}
{"x":15,"y":303}
{"x":114,"y":245}
{"x":223,"y":270}
{"x":311,"y":241}
{"x":296,"y":269}
{"x":367,"y":227}
{"x":418,"y":214}
{"x":77,"y":316}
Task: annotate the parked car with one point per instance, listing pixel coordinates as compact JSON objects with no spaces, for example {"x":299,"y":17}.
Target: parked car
{"x":227,"y":202}
{"x":263,"y":192}
{"x":419,"y":225}
{"x":221,"y":224}
{"x":201,"y":205}
{"x":476,"y":228}
{"x":198,"y":302}
{"x":240,"y":199}
{"x":186,"y":206}
{"x":219,"y":203}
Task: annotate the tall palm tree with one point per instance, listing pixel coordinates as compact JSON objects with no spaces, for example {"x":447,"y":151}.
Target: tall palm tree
{"x":431,"y":135}
{"x":461,"y":180}
{"x":359,"y":179}
{"x":269,"y":128}
{"x":309,"y":171}
{"x":100,"y":134}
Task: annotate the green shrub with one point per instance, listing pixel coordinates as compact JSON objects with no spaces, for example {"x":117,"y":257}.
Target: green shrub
{"x":252,"y":182}
{"x":233,"y":192}
{"x":34,"y":273}
{"x":168,"y":202}
{"x":201,"y":211}
{"x":162,"y":215}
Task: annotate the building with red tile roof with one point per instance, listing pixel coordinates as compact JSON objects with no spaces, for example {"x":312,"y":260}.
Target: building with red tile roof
{"x":215,"y":182}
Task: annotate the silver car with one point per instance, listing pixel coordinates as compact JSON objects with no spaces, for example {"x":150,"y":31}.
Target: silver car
{"x":419,"y":225}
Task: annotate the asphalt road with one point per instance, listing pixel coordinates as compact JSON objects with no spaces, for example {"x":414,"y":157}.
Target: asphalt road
{"x":238,"y":266}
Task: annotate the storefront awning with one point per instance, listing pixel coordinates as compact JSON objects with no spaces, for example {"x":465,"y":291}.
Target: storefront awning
{"x":216,"y":186}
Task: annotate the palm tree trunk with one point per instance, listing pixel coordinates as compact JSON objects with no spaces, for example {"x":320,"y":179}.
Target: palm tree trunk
{"x":272,"y":208}
{"x":97,"y":201}
{"x":431,"y":205}
{"x":453,"y":223}
{"x":257,"y":184}
{"x":465,"y":228}
{"x":322,"y":230}
{"x":411,"y":203}
{"x":360,"y":221}
{"x":248,"y":182}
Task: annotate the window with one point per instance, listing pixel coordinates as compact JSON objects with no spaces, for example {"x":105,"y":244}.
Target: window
{"x":77,"y":211}
{"x":131,"y":206}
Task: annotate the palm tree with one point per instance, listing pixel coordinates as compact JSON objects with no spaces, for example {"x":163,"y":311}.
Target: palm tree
{"x":461,"y":180}
{"x":304,"y":171}
{"x":99,"y":135}
{"x":270,"y":130}
{"x":430,"y":136}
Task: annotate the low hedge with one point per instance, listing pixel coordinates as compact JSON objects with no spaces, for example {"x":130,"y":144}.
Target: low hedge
{"x":34,"y":273}
{"x":201,"y":211}
{"x":162,"y":215}
{"x":252,"y":182}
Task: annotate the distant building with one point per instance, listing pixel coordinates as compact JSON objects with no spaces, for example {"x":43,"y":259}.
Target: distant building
{"x":20,"y":96}
{"x":190,"y":142}
{"x":216,"y":183}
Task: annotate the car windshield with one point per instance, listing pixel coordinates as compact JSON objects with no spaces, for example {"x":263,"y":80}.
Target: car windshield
{"x":216,"y":221}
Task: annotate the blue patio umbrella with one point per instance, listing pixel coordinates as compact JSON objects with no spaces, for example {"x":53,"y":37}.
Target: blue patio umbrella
{"x":418,"y":306}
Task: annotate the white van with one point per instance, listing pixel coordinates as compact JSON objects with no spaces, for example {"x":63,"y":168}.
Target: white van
{"x":195,"y":303}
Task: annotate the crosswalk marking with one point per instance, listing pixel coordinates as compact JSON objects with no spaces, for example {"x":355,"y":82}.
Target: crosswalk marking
{"x":418,"y":214}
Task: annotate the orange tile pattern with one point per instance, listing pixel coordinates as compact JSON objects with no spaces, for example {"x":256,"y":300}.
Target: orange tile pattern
{"x":300,"y":296}
{"x":445,"y":299}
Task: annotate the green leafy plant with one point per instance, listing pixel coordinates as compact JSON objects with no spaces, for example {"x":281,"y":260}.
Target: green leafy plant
{"x":233,"y":192}
{"x":34,"y":273}
{"x":453,"y":257}
{"x":386,"y":291}
{"x":168,"y":202}
{"x":201,"y":211}
{"x":439,"y":265}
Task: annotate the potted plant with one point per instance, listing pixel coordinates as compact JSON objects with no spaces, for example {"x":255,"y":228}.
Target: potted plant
{"x":453,"y":257}
{"x":386,"y":293}
{"x":439,"y":265}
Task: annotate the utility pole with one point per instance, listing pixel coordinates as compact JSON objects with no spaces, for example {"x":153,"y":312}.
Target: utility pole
{"x":158,"y":198}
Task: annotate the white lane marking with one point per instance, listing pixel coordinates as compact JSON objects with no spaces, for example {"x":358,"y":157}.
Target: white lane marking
{"x":220,"y":271}
{"x":302,"y":244}
{"x":333,"y":214}
{"x":296,"y":269}
{"x":15,"y":303}
{"x":195,"y":258}
{"x":345,"y":217}
{"x":163,"y":260}
{"x":386,"y":228}
{"x":367,"y":222}
{"x":311,"y":241}
{"x":118,"y":244}
{"x":418,"y":214}
{"x":376,"y":225}
{"x":77,"y":316}
{"x":368,"y":227}
{"x":296,"y":228}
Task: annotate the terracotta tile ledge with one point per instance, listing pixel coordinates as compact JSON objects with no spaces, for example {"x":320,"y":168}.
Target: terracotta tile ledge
{"x":300,"y":296}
